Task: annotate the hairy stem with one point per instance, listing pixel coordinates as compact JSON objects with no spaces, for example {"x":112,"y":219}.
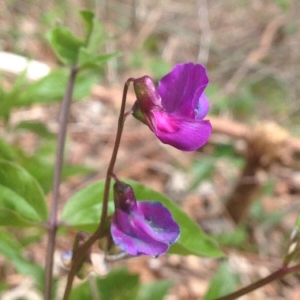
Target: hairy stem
{"x":80,"y":254}
{"x":52,"y":225}
{"x":260,"y":283}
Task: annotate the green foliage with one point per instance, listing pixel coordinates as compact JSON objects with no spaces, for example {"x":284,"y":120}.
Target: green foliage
{"x":7,"y":152}
{"x":119,"y":284}
{"x":52,"y":87}
{"x":65,"y":45}
{"x":95,"y":33}
{"x":22,"y":202}
{"x":87,"y":60}
{"x":11,"y":249}
{"x":155,"y":290}
{"x":10,"y":98}
{"x":47,"y":90}
{"x":40,"y":164}
{"x":223,"y":283}
{"x":80,"y":53}
{"x":83,"y":211}
{"x":38,"y":128}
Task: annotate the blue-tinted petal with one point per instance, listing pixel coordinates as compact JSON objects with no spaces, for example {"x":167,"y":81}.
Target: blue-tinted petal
{"x":202,"y":107}
{"x":183,"y":134}
{"x":162,"y":226}
{"x":129,"y":234}
{"x":181,"y":89}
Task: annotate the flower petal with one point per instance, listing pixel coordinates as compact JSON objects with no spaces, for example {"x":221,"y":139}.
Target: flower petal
{"x":130,"y":235}
{"x":163,"y":227}
{"x":181,"y":89}
{"x":183,"y":134}
{"x":202,"y":107}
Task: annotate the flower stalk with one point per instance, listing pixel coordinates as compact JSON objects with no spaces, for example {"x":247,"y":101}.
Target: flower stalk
{"x":80,"y":254}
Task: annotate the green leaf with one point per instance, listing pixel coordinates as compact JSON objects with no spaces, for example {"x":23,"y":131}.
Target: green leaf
{"x":117,"y":285}
{"x":11,"y":250}
{"x":49,"y":89}
{"x":192,"y":239}
{"x":87,"y":60}
{"x":52,"y":87}
{"x":21,"y":193}
{"x":38,"y":128}
{"x":74,"y":170}
{"x":87,"y":17}
{"x":42,"y":169}
{"x":83,"y":210}
{"x":7,"y":152}
{"x":84,"y":82}
{"x":11,"y":98}
{"x":96,"y":35}
{"x":12,"y":217}
{"x":224,"y":282}
{"x":89,"y":56}
{"x":156,"y":290}
{"x":65,"y":44}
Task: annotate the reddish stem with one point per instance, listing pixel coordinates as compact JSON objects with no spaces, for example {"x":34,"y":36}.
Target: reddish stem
{"x":82,"y":251}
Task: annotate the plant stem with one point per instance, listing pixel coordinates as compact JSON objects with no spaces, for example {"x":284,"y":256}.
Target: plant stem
{"x":82,"y":251}
{"x":52,"y":226}
{"x":260,"y":283}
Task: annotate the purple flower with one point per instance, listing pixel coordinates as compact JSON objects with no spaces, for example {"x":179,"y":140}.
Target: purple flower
{"x":175,"y":111}
{"x":141,"y":227}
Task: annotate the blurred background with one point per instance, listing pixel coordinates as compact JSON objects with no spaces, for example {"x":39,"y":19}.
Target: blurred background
{"x":249,"y":47}
{"x":251,"y":51}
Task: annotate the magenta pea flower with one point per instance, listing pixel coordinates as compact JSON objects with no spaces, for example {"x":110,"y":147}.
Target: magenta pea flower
{"x":175,"y":110}
{"x":145,"y":227}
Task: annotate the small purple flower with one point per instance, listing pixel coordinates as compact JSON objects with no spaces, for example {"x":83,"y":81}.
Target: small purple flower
{"x":175,"y":111}
{"x":145,"y":227}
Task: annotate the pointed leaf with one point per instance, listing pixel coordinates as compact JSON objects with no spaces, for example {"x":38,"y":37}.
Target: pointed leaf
{"x":96,"y":36}
{"x":87,"y":60}
{"x":224,"y":282}
{"x":65,"y":44}
{"x":83,"y":211}
{"x":52,"y":87}
{"x":192,"y":239}
{"x":87,"y":17}
{"x":21,"y":193}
